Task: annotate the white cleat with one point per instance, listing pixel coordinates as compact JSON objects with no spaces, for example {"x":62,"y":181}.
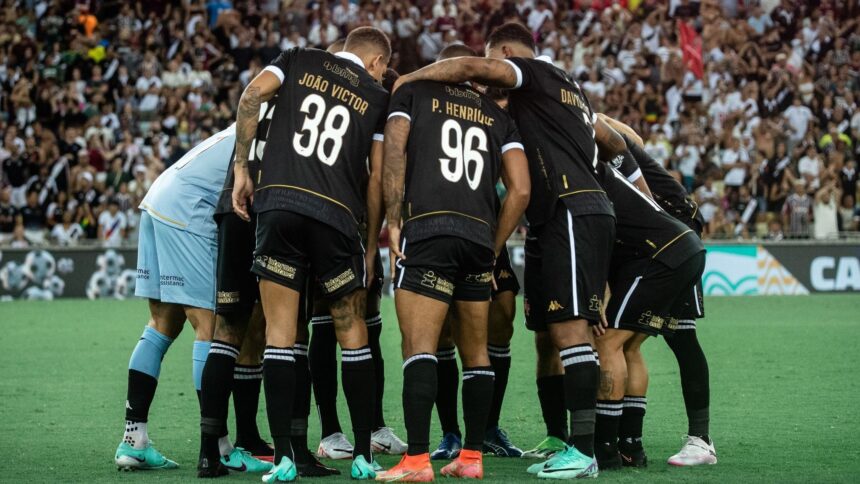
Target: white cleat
{"x":695,"y":452}
{"x":335,"y":446}
{"x":384,"y":441}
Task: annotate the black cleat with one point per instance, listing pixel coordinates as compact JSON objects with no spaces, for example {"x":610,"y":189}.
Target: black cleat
{"x":634,"y":458}
{"x":207,"y":470}
{"x":311,"y":467}
{"x":608,"y":457}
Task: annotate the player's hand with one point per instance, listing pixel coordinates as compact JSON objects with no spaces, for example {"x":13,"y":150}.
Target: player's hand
{"x":243,"y":192}
{"x":493,"y":277}
{"x":369,"y":267}
{"x":394,"y":246}
{"x":399,"y":82}
{"x":599,"y":329}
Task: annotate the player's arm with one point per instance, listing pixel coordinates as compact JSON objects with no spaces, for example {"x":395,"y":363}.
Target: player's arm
{"x":375,"y":207}
{"x":515,"y":176}
{"x":394,"y":178}
{"x":259,"y":90}
{"x":489,"y":72}
{"x":613,"y":145}
{"x":622,"y":128}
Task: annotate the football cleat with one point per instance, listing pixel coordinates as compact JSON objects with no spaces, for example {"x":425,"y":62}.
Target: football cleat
{"x":259,"y":449}
{"x":311,"y":467}
{"x":468,"y":465}
{"x":335,"y":446}
{"x":283,"y":472}
{"x":384,"y":441}
{"x":569,"y":464}
{"x":536,"y":468}
{"x":240,"y":460}
{"x":449,"y":447}
{"x":695,"y":452}
{"x":209,"y":469}
{"x":412,"y":468}
{"x":545,"y":449}
{"x":608,"y":457}
{"x":496,"y":442}
{"x":362,"y":470}
{"x":128,"y":458}
{"x":632,"y":456}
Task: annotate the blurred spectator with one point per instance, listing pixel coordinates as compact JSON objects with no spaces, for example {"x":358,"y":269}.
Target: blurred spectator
{"x":8,"y":215}
{"x":112,"y":225}
{"x":797,"y":212}
{"x":67,"y":232}
{"x":825,"y":216}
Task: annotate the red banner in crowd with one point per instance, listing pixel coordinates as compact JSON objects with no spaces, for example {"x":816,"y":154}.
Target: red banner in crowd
{"x":691,"y":48}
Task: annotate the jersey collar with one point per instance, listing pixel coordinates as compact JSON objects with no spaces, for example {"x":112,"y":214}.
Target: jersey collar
{"x":351,"y":57}
{"x":544,"y":58}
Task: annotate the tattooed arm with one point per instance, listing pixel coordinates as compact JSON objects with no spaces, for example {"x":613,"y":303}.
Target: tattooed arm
{"x":608,"y":140}
{"x":261,"y":89}
{"x":394,"y":179}
{"x":515,"y":176}
{"x":489,"y":72}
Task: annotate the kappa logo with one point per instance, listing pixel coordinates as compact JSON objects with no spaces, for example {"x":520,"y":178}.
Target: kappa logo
{"x":554,"y":306}
{"x":594,"y":303}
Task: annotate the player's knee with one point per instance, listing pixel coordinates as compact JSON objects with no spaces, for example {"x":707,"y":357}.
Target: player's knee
{"x":348,"y":311}
{"x":231,"y":327}
{"x":570,"y":333}
{"x":166,"y":318}
{"x":203,"y":322}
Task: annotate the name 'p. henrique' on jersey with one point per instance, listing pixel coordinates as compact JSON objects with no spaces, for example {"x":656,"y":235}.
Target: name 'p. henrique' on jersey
{"x":557,"y":126}
{"x":330,"y":109}
{"x":453,"y":160}
{"x":258,"y":146}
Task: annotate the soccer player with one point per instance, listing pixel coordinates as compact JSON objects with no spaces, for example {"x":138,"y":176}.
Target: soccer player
{"x":309,"y":201}
{"x":457,"y":142}
{"x":234,"y":359}
{"x":572,"y":226}
{"x":698,"y":448}
{"x":176,"y":268}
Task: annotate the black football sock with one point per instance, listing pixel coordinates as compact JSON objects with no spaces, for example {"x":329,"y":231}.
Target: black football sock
{"x":448,"y":378}
{"x":374,"y":331}
{"x":322,"y":355}
{"x":144,"y":367}
{"x":247,"y":380}
{"x":608,"y":416}
{"x":695,"y":383}
{"x":359,"y":384}
{"x":581,"y":375}
{"x":630,"y":428}
{"x":280,"y":385}
{"x":301,"y":404}
{"x":551,"y":398}
{"x":419,"y":393}
{"x":217,"y":383}
{"x":477,"y":400}
{"x":500,"y":359}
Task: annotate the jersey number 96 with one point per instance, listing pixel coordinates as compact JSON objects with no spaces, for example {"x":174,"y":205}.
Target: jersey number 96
{"x":462,"y":150}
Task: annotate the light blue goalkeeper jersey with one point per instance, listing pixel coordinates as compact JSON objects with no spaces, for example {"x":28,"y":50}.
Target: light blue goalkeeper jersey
{"x":186,"y":194}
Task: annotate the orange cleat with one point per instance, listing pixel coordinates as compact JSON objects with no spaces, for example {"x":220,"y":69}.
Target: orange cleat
{"x":411,"y":468}
{"x":469,"y":465}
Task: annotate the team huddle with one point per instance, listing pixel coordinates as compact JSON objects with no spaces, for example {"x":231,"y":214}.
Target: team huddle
{"x":265,"y":237}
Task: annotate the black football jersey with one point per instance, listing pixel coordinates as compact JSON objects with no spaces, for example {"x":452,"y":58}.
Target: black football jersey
{"x":454,"y":154}
{"x":225,"y":201}
{"x":667,"y":192}
{"x":329,"y":111}
{"x":557,"y":126}
{"x":643,"y":229}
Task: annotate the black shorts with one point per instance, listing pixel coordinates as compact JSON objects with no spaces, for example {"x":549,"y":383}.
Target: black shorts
{"x":375,"y":288}
{"x":567,"y":263}
{"x":506,"y":279}
{"x":647,"y":295}
{"x":446,"y":268}
{"x":236,"y":286}
{"x":290,"y":244}
{"x":321,"y":312}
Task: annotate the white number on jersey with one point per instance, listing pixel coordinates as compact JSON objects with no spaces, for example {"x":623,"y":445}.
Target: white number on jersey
{"x":334,"y":128}
{"x":464,"y":151}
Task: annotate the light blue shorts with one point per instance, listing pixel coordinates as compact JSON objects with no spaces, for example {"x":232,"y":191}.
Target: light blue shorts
{"x":175,"y":266}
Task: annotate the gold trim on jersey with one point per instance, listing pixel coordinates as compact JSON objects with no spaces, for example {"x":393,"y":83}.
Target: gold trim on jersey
{"x":332,"y":200}
{"x":671,"y":242}
{"x":162,"y":216}
{"x":442,"y":212}
{"x":577,"y":192}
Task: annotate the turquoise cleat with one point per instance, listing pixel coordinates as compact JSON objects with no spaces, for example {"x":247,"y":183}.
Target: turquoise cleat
{"x":545,"y":449}
{"x":536,"y":468}
{"x":240,"y":460}
{"x":569,"y":464}
{"x":128,"y":458}
{"x":376,"y":466}
{"x":283,"y":472}
{"x":362,"y":470}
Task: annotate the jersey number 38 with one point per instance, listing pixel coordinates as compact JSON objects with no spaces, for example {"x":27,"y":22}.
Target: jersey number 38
{"x":464,"y":152}
{"x":327,"y":143}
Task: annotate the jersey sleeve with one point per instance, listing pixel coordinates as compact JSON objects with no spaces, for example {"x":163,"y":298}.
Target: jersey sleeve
{"x":525,"y":70}
{"x":379,"y":129}
{"x":626,"y":163}
{"x":401,"y":103}
{"x":512,"y":138}
{"x":281,"y":63}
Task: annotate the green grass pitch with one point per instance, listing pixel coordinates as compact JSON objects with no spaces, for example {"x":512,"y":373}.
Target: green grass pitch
{"x":784,"y":392}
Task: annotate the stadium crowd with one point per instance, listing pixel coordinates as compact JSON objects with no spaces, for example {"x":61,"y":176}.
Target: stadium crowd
{"x":99,"y":97}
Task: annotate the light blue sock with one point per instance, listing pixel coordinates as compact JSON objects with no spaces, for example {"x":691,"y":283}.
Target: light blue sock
{"x":199,"y":354}
{"x":147,"y":355}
